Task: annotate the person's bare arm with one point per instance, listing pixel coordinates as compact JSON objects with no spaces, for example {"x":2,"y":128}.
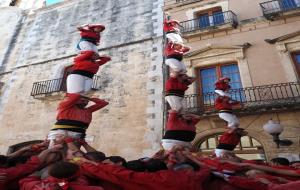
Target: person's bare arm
{"x":268,"y":169}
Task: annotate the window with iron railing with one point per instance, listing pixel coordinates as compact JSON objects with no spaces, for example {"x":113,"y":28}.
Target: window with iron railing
{"x":208,"y":76}
{"x":253,"y":99}
{"x":271,"y":8}
{"x":209,"y":19}
{"x":57,"y":85}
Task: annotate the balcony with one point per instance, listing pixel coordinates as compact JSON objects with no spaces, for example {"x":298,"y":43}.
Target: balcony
{"x":49,"y":87}
{"x":280,"y":8}
{"x":205,"y":24}
{"x":256,"y":99}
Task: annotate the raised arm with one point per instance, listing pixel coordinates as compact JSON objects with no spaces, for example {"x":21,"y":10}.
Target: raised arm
{"x":98,"y":104}
{"x":84,"y":56}
{"x":103,"y":59}
{"x":293,"y":173}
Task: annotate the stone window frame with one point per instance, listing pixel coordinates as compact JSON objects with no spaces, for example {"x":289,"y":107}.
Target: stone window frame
{"x":293,"y":55}
{"x":191,"y":13}
{"x":223,"y":55}
{"x":286,"y":49}
{"x":218,"y":66}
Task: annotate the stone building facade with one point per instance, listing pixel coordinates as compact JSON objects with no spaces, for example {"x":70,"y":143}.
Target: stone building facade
{"x":257,"y":43}
{"x":37,"y":44}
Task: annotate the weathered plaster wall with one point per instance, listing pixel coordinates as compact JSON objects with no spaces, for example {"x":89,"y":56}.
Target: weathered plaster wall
{"x":132,"y":82}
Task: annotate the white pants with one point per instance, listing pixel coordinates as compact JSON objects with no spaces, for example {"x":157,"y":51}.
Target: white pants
{"x":87,"y":46}
{"x":176,"y":65}
{"x":222,"y":93}
{"x":221,"y":152}
{"x":231,"y":119}
{"x":174,"y":37}
{"x":175,"y":102}
{"x":53,"y":134}
{"x":78,"y":83}
{"x":168,"y":144}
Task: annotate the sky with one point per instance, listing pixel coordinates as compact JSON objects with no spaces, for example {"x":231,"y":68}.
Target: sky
{"x":50,"y":2}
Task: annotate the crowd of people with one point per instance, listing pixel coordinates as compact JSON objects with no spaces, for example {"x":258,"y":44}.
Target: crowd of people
{"x":65,"y":161}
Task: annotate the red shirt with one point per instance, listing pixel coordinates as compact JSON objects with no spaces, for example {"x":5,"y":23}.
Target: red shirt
{"x":68,"y":110}
{"x":220,"y":85}
{"x":170,"y":50}
{"x":230,"y":138}
{"x":83,"y":62}
{"x":247,"y":183}
{"x":35,"y":183}
{"x":271,"y":178}
{"x":170,"y":25}
{"x":175,"y":88}
{"x":223,"y":167}
{"x":289,"y":186}
{"x":224,"y":103}
{"x":175,"y":123}
{"x":131,"y":180}
{"x":19,"y":171}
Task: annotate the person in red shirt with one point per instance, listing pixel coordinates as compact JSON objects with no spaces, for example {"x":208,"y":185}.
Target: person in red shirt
{"x":62,"y":175}
{"x":275,"y":170}
{"x":225,"y":105}
{"x":288,"y":186}
{"x":174,"y":53}
{"x":171,"y":28}
{"x":90,"y":37}
{"x":73,"y":117}
{"x":86,"y":65}
{"x":164,"y":179}
{"x":175,"y":89}
{"x":222,"y":86}
{"x":9,"y":176}
{"x":228,"y":141}
{"x":180,"y":130}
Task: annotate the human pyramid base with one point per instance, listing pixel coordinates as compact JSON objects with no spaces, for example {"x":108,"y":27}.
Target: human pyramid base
{"x":65,"y":161}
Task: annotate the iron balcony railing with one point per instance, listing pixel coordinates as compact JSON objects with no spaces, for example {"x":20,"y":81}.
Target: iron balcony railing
{"x":209,"y":21}
{"x":276,"y":7}
{"x":57,"y":85}
{"x":252,"y":98}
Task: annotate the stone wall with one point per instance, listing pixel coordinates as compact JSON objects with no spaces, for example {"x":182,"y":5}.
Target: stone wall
{"x":131,"y":124}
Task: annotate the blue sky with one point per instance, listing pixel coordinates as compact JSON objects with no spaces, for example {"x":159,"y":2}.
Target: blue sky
{"x":50,"y":2}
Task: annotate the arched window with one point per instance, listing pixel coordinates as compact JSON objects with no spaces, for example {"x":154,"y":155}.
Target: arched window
{"x":249,"y":148}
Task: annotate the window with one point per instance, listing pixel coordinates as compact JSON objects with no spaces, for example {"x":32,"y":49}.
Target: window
{"x":296,"y":59}
{"x":249,"y":148}
{"x":51,"y":2}
{"x":288,"y":4}
{"x":211,"y":17}
{"x":208,"y":77}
